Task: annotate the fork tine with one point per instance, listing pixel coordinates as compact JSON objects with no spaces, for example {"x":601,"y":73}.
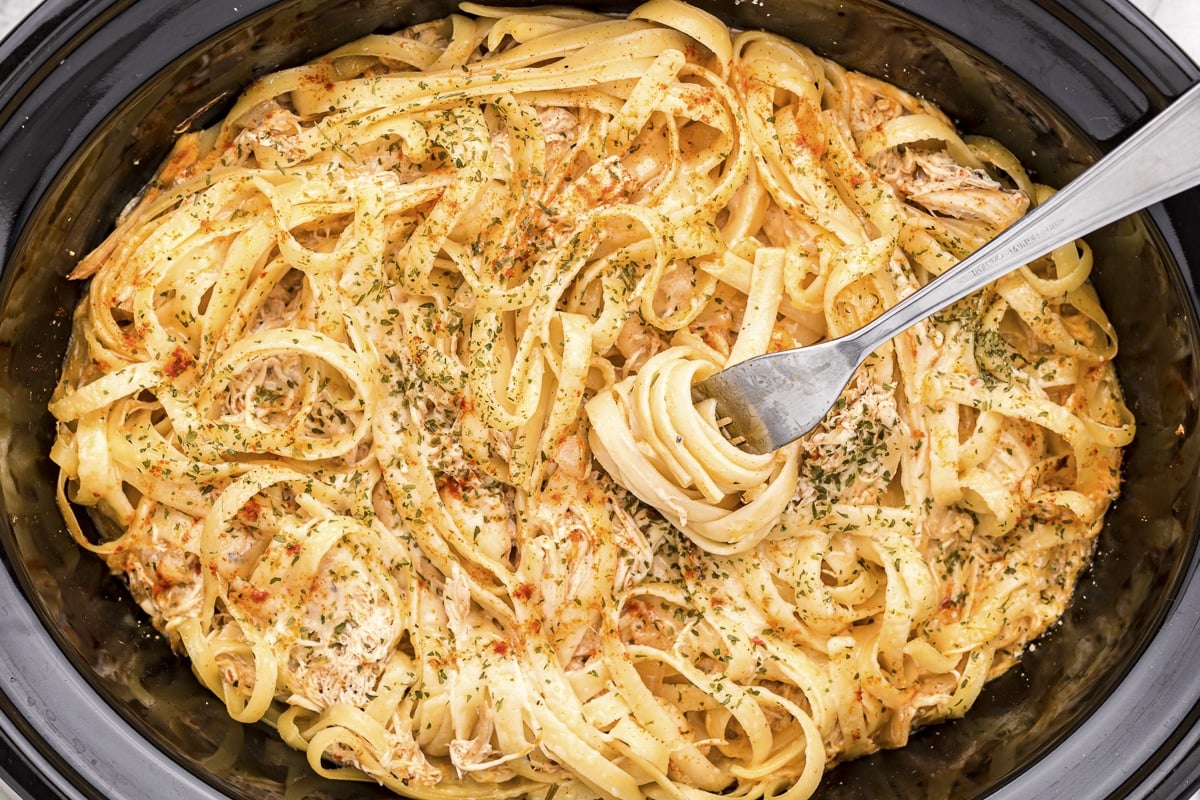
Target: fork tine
{"x":737,"y":411}
{"x":774,"y":399}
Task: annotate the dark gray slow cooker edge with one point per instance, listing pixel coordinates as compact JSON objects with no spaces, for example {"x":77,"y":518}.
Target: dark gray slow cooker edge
{"x":94,"y":746}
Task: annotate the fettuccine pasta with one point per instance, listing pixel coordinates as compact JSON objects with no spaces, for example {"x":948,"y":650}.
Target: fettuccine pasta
{"x":380,"y":398}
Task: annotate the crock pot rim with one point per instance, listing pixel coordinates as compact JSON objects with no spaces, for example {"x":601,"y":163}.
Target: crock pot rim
{"x":49,"y":747}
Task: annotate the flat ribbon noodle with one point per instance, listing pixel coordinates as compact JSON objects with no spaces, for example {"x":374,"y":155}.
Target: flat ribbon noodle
{"x":380,"y":398}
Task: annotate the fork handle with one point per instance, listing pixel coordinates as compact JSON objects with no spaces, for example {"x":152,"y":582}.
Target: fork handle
{"x":1160,"y":160}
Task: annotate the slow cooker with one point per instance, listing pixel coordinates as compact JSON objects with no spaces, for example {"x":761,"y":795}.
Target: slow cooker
{"x":93,"y":704}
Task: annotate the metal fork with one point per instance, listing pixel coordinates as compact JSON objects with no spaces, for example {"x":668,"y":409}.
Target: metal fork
{"x":776,"y":398}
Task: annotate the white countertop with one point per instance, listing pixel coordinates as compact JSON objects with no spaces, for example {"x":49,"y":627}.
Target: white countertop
{"x":1179,"y":18}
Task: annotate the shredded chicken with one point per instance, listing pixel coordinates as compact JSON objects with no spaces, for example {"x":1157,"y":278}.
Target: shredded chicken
{"x":853,"y":455}
{"x":932,"y":180}
{"x":164,"y":578}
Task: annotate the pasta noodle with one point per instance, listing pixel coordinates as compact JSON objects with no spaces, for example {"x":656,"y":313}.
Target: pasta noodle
{"x":380,"y":398}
